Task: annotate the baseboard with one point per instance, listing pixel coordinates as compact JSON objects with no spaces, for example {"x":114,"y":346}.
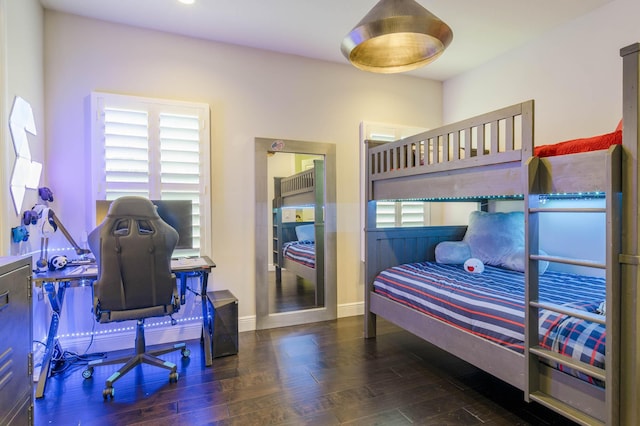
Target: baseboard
{"x":247,"y":323}
{"x":350,"y":309}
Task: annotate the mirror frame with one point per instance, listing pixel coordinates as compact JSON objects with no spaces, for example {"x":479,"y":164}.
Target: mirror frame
{"x":265,"y":319}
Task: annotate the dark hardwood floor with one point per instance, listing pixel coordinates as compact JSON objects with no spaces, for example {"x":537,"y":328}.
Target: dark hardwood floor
{"x":292,"y":293}
{"x":317,"y":374}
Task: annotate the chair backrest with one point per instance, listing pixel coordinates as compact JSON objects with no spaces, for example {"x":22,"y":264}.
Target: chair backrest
{"x":133,"y":248}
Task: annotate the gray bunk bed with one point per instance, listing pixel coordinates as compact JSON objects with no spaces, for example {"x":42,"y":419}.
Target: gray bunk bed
{"x":492,"y":155}
{"x":303,"y":189}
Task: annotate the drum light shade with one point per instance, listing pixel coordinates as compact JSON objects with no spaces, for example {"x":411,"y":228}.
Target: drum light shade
{"x":396,"y":36}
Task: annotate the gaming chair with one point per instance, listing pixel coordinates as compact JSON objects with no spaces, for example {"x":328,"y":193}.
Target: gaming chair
{"x":133,"y":248}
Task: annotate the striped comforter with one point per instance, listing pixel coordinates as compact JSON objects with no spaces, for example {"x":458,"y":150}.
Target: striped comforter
{"x":303,"y":252}
{"x":491,"y":305}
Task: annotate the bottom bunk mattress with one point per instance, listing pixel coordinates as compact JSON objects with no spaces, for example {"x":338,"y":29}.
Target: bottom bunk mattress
{"x":303,"y":252}
{"x":491,"y":305}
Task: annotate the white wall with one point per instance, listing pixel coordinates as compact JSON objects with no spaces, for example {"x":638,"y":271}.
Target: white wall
{"x":21,"y":74}
{"x":574,"y":73}
{"x":252,"y":93}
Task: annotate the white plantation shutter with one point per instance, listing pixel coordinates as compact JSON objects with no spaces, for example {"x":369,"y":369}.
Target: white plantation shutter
{"x":393,"y":214}
{"x":126,"y":153}
{"x":385,"y":214}
{"x":154,"y":148}
{"x":180,"y":163}
{"x":412,"y":213}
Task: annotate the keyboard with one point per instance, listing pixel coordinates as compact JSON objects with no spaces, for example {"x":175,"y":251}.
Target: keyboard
{"x":188,"y":263}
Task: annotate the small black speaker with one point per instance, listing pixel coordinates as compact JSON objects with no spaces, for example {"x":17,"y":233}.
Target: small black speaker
{"x":224,"y":327}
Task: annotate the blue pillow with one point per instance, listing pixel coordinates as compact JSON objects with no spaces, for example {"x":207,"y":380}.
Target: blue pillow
{"x":495,"y":238}
{"x":515,"y":261}
{"x":452,"y":252}
{"x":306,"y":232}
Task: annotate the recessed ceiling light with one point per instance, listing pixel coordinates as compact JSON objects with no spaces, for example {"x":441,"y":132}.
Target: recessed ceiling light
{"x":187,"y":1}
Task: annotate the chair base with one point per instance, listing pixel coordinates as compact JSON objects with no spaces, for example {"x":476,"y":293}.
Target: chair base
{"x":142,"y":356}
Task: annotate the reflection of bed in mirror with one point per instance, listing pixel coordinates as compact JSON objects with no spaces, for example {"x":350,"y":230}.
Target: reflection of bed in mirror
{"x":298,"y":246}
{"x":298,"y":253}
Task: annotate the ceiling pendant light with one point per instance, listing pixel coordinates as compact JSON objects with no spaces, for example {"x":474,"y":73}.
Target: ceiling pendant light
{"x":396,"y":36}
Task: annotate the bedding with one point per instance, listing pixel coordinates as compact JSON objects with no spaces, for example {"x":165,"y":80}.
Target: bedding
{"x":491,"y":305}
{"x":303,"y":252}
{"x":580,"y":145}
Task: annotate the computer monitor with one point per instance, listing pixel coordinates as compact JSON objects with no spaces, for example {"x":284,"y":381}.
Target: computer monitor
{"x":177,"y":213}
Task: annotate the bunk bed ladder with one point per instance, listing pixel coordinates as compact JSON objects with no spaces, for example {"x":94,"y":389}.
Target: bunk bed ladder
{"x":537,"y":381}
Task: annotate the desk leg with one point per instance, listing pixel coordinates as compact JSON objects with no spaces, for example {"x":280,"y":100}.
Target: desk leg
{"x":55,"y":299}
{"x":206,"y":321}
{"x":182,"y":278}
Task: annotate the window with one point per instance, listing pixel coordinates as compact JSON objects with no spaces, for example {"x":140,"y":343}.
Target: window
{"x":393,"y":214}
{"x":153,"y":148}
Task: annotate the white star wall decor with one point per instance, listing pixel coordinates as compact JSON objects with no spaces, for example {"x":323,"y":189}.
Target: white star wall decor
{"x":26,"y":173}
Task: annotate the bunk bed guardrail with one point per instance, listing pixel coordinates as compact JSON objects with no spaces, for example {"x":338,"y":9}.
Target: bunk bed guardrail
{"x":494,"y":143}
{"x":299,"y":183}
{"x":500,"y":136}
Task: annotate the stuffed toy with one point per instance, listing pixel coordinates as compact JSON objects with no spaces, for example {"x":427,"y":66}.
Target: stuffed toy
{"x":19,"y":234}
{"x":495,"y":239}
{"x":474,"y":266}
{"x":58,"y":262}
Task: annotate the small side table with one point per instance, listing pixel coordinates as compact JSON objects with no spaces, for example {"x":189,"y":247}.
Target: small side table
{"x":223,"y":323}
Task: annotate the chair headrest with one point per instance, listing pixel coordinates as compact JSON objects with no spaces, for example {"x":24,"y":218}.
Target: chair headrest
{"x":133,"y":206}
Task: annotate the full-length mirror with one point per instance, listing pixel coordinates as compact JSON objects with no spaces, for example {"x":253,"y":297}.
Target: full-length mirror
{"x":295,"y":232}
{"x":296,"y":271}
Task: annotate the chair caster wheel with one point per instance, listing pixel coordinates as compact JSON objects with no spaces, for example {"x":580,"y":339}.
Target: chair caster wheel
{"x":173,"y":377}
{"x":86,"y":374}
{"x":186,"y":353}
{"x":108,"y":393}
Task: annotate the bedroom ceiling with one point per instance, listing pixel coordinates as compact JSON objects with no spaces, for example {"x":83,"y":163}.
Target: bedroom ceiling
{"x":314,"y":28}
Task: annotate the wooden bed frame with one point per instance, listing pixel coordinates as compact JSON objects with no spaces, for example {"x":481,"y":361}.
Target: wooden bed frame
{"x":305,"y":188}
{"x":492,"y":155}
